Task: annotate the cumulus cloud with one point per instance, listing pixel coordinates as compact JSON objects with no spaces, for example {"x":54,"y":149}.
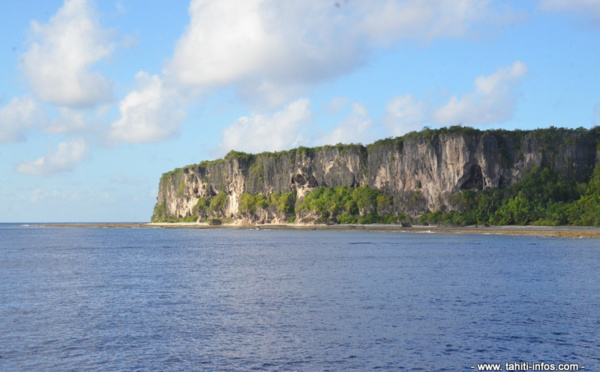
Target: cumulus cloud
{"x":492,"y":101}
{"x":356,"y":127}
{"x":150,"y":113}
{"x":66,"y":157}
{"x":224,"y":41}
{"x":18,"y":115}
{"x":62,"y":53}
{"x":586,"y":8}
{"x":293,"y":126}
{"x":277,"y":131}
{"x":273,"y":50}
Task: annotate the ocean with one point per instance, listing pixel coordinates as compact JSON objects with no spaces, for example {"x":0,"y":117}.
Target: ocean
{"x":151,"y":299}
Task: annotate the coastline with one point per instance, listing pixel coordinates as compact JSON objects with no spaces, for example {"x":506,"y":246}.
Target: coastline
{"x":550,"y":231}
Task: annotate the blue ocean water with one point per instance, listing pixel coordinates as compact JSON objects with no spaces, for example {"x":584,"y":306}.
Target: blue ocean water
{"x":238,"y":300}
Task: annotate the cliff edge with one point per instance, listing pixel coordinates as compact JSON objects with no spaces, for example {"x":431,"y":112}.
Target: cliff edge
{"x":403,"y":177}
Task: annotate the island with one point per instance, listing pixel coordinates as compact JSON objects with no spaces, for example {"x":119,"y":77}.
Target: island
{"x":456,"y":176}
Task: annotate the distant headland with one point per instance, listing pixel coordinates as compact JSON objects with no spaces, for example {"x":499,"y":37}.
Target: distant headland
{"x":450,"y":176}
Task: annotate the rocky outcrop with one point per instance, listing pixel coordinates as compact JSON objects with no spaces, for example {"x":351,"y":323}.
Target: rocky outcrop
{"x":420,"y":171}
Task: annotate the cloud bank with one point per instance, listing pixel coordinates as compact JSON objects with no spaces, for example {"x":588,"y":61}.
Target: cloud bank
{"x":492,"y":101}
{"x":271,"y":48}
{"x":273,"y":51}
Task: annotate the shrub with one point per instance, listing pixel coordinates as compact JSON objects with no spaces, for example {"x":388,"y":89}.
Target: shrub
{"x":247,"y":204}
{"x":217,"y":203}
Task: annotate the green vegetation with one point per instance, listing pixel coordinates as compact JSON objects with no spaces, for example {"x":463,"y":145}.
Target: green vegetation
{"x":280,"y":202}
{"x":160,"y":215}
{"x":339,"y":205}
{"x":285,"y":203}
{"x":247,"y":204}
{"x":239,"y":155}
{"x":200,"y":207}
{"x":428,"y":133}
{"x":218,"y":202}
{"x":347,"y":205}
{"x":543,"y":197}
{"x":180,"y":189}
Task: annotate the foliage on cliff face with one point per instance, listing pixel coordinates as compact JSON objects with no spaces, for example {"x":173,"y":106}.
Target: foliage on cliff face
{"x":217,"y":203}
{"x":159,"y":214}
{"x":586,"y":210}
{"x":543,"y":197}
{"x":349,"y":205}
{"x":283,"y":203}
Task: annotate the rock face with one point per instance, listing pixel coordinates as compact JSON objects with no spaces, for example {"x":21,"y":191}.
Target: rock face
{"x":421,"y":171}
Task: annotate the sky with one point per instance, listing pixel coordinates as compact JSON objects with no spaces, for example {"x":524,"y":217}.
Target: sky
{"x":99,"y":98}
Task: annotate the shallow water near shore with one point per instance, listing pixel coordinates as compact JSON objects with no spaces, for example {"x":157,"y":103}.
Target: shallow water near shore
{"x":235,"y":299}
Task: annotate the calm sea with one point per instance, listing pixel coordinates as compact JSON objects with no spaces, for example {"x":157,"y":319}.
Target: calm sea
{"x":87,"y":299}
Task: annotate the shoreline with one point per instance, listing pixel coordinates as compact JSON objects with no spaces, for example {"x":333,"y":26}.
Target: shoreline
{"x":550,"y":231}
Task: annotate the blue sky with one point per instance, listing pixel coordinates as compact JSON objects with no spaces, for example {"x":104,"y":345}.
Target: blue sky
{"x":99,"y":98}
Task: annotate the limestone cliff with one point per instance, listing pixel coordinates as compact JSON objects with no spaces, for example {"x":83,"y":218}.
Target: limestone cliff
{"x":420,"y":171}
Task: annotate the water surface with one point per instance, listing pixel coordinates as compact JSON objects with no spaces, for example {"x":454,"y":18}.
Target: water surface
{"x":226,"y":299}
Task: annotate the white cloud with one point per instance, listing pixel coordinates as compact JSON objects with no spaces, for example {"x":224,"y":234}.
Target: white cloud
{"x":405,"y":113}
{"x":66,"y":157}
{"x":586,"y":8}
{"x":274,"y":132}
{"x":274,"y":50}
{"x":492,"y":101}
{"x":61,"y":54}
{"x":356,"y":127}
{"x":224,"y":41}
{"x":18,"y":115}
{"x":150,"y":113}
